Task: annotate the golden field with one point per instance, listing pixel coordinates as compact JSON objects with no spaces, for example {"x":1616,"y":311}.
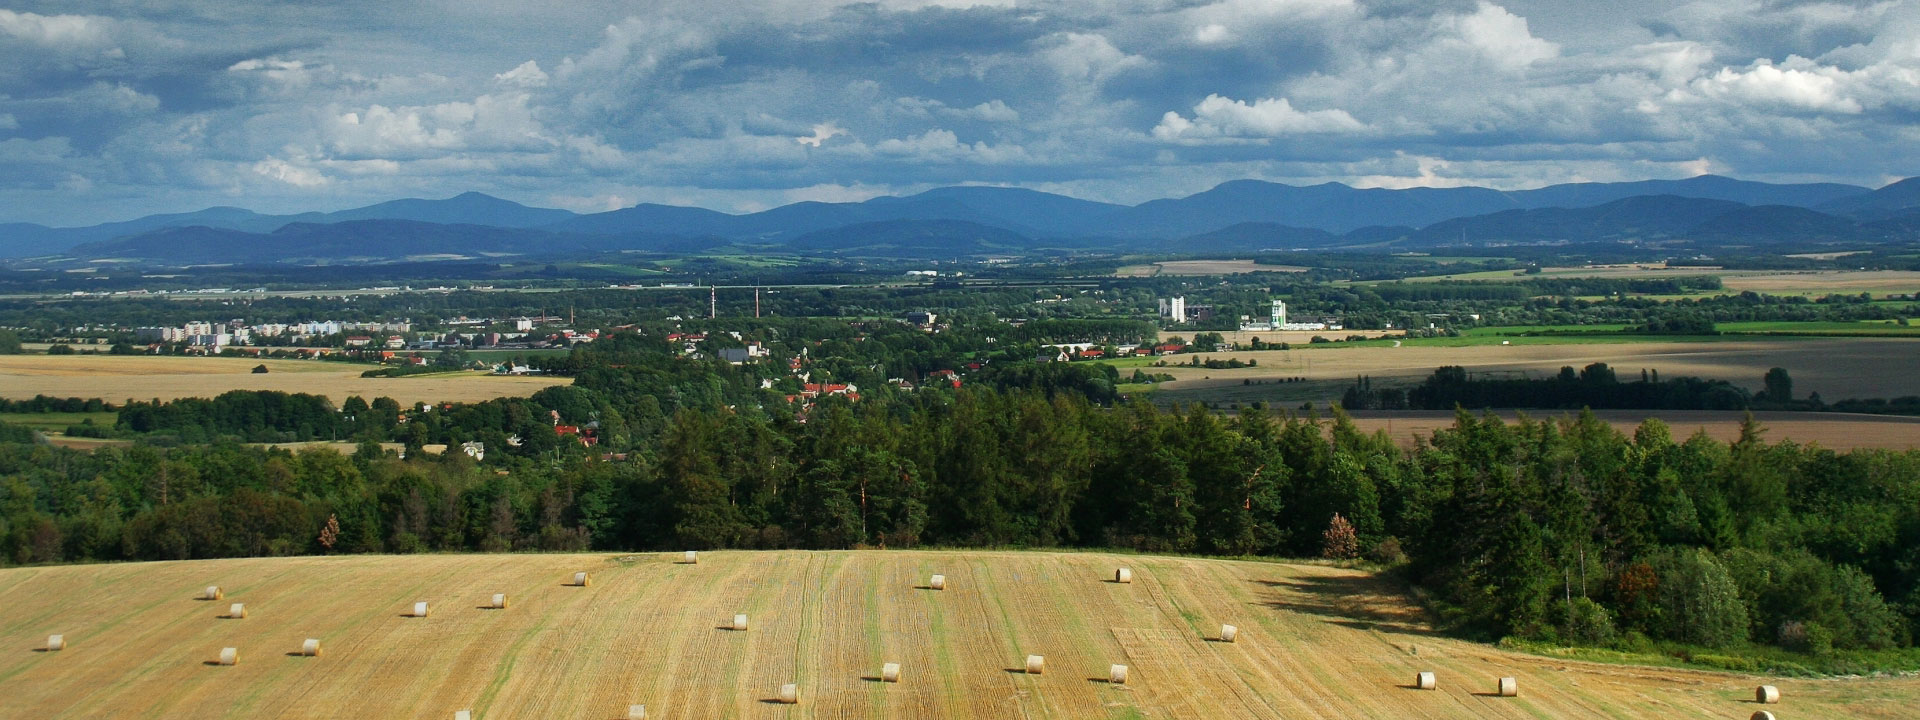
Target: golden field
{"x":117,"y":378}
{"x":1315,"y":642}
{"x":1836,"y":431}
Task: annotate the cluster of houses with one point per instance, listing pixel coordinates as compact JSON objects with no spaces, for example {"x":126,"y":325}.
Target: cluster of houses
{"x":1069,"y":352}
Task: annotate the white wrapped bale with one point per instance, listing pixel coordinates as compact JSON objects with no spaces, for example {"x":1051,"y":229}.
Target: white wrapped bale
{"x":890,"y":672}
{"x":419,"y":610}
{"x":237,"y":611}
{"x":310,"y":648}
{"x":229,"y":656}
{"x":1425,"y":681}
{"x":213,"y":592}
{"x":740,"y":623}
{"x":1036,"y":664}
{"x":581,"y":579}
{"x":693,"y":558}
{"x":1123,"y":575}
{"x":56,"y":643}
{"x":790,"y":694}
{"x":463,"y":715}
{"x":1762,"y":715}
{"x":1509,"y":687}
{"x":1766,"y":694}
{"x":636,"y":712}
{"x":499,"y":601}
{"x":1228,"y":632}
{"x":1117,"y":674}
{"x":938,"y":582}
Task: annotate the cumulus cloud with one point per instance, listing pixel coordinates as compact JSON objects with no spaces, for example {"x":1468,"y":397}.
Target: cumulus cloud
{"x":286,"y":172}
{"x":55,"y":31}
{"x":527,"y":75}
{"x":489,"y":123}
{"x":1805,"y":87}
{"x":1218,"y":117}
{"x":821,"y":133}
{"x":1501,"y":36}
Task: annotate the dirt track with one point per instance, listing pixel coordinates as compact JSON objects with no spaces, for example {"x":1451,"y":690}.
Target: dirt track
{"x":1315,"y":642}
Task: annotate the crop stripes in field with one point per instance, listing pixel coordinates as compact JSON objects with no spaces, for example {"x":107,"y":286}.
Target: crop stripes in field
{"x":1170,"y":607}
{"x":1004,"y":630}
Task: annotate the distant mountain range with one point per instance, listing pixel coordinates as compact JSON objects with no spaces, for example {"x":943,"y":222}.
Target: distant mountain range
{"x":1241,"y":215}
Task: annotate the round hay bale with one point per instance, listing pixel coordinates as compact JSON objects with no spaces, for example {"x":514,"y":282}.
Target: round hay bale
{"x":1123,"y":575}
{"x":938,"y":582}
{"x":499,"y":601}
{"x":419,"y":609}
{"x":1117,"y":674}
{"x":1761,"y":715}
{"x":229,"y":656}
{"x":1228,"y":632}
{"x":1425,"y":681}
{"x":636,"y":712}
{"x":1766,"y":694}
{"x":693,"y":558}
{"x":213,"y":592}
{"x":582,"y":579}
{"x":1036,"y":664}
{"x":237,"y":611}
{"x":790,"y":694}
{"x":890,"y":672}
{"x":56,"y":643}
{"x":310,"y":648}
{"x":740,"y":623}
{"x":463,"y":715}
{"x":1509,"y":687}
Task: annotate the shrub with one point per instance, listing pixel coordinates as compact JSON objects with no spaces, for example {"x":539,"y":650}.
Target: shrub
{"x":1341,"y":542}
{"x":1588,"y":623}
{"x":1387,"y":552}
{"x":1699,"y":602}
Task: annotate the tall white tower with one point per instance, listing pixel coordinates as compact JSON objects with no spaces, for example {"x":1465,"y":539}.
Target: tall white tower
{"x":1279,"y":314}
{"x":1178,"y":309}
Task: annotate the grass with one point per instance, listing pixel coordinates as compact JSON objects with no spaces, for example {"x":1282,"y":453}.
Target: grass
{"x":622,"y":269}
{"x":1758,"y":659}
{"x":56,"y":421}
{"x":1870,"y":327}
{"x":1472,"y":340}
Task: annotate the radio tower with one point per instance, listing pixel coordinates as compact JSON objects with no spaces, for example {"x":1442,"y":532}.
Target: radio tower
{"x":756,"y":303}
{"x":713,"y":302}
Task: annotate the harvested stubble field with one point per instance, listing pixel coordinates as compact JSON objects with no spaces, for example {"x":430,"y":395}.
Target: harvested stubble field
{"x":1837,"y":431}
{"x":116,"y":378}
{"x":1314,"y":642}
{"x":1838,"y":369}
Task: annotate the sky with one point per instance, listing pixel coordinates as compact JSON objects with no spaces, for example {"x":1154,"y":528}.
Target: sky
{"x":113,"y":109}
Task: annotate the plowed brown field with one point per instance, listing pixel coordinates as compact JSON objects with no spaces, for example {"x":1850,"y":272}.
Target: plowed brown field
{"x":1315,"y":642}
